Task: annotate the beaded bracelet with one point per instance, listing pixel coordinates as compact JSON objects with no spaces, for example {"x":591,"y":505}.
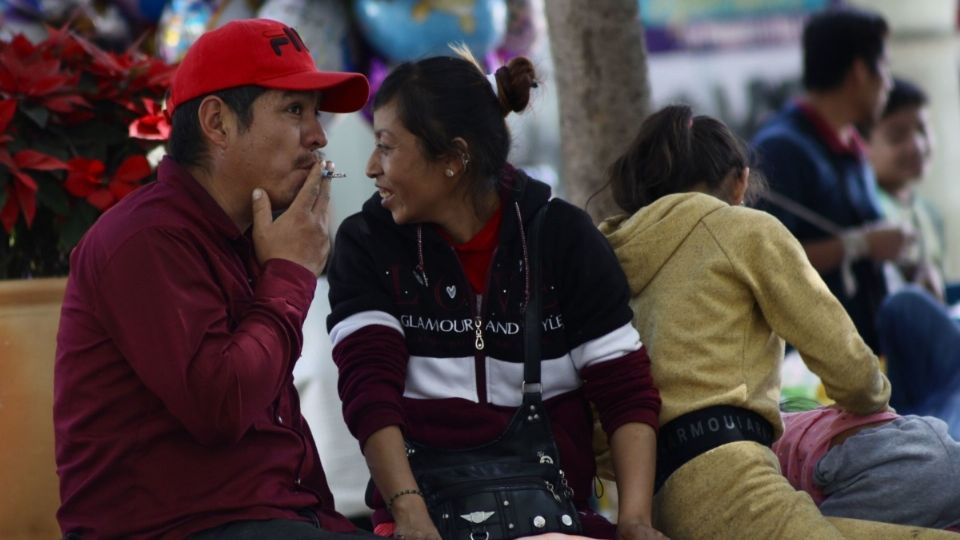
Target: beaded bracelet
{"x":400,"y":494}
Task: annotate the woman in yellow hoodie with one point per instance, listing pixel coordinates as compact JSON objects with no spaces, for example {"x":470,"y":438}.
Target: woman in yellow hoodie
{"x":716,"y":288}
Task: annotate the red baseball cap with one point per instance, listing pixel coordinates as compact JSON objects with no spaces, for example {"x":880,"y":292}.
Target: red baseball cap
{"x":265,"y":53}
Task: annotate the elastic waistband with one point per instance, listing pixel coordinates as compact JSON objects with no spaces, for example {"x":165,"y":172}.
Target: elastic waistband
{"x":687,"y":436}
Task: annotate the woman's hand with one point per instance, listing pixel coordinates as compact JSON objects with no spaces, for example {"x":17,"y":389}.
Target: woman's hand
{"x":638,"y":530}
{"x":412,"y":519}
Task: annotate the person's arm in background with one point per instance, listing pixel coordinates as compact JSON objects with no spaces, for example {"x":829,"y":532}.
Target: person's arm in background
{"x":614,"y":366}
{"x":790,"y":172}
{"x":371,"y":356}
{"x":801,"y":309}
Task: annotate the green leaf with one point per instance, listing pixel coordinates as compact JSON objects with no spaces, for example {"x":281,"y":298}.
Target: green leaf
{"x":77,"y":223}
{"x":36,"y":112}
{"x":50,"y":194}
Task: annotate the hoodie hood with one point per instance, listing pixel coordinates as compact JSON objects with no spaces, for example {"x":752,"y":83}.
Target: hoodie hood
{"x":645,"y":241}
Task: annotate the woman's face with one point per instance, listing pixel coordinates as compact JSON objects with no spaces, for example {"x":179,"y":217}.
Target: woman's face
{"x":413,"y":187}
{"x":900,"y":147}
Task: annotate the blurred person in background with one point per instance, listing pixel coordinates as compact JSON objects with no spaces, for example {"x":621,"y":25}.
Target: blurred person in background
{"x":900,"y":145}
{"x":821,"y":184}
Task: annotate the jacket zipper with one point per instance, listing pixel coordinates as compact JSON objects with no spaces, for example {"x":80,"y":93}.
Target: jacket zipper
{"x":478,"y":325}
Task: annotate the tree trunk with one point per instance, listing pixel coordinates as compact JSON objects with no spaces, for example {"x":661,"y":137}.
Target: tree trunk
{"x":600,"y":61}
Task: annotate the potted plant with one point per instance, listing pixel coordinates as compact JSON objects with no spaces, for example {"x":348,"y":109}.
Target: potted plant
{"x":77,"y":124}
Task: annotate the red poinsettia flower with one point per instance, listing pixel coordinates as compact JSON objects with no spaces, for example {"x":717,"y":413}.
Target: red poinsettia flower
{"x":8,"y":108}
{"x":25,"y":72}
{"x":86,"y":180}
{"x":154,"y":125}
{"x":62,"y":44}
{"x":66,"y":96}
{"x":22,"y":192}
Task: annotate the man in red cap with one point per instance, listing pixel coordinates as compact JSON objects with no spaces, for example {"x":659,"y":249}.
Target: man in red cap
{"x":174,"y":406}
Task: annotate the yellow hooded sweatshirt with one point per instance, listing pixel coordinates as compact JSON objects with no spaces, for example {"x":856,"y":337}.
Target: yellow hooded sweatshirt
{"x":715,"y":291}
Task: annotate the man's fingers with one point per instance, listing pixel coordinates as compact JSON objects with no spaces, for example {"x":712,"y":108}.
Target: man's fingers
{"x":322,"y":203}
{"x":262,"y":213}
{"x":307,"y":196}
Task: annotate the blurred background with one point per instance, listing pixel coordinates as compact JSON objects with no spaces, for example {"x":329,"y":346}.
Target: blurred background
{"x":735,"y":59}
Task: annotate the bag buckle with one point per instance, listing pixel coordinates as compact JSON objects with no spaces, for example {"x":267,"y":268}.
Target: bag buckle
{"x":484,"y":536}
{"x":534,"y":387}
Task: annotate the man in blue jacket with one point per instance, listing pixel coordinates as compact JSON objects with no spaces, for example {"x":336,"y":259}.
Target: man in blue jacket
{"x":822,"y":186}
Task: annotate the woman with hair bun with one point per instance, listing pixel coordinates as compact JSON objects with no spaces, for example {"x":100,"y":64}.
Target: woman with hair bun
{"x":716,"y":288}
{"x":428,"y":287}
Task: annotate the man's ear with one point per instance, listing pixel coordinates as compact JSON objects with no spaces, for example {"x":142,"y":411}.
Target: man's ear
{"x":860,"y":73}
{"x":215,"y":120}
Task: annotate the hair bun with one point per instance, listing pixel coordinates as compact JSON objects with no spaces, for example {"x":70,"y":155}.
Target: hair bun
{"x":514,"y":82}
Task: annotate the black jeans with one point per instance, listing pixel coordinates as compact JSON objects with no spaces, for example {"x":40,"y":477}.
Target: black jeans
{"x":281,"y":529}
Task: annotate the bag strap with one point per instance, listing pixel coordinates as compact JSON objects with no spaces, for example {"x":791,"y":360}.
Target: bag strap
{"x":534,"y":308}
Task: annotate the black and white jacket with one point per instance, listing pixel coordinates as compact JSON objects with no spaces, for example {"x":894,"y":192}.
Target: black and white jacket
{"x":404,"y":326}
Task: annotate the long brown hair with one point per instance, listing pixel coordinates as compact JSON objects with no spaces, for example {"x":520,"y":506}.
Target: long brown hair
{"x":675,"y":151}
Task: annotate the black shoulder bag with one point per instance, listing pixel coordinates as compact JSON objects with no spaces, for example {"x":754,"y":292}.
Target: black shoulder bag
{"x":513,"y":486}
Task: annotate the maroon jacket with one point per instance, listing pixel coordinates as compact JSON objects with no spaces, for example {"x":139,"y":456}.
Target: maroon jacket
{"x":174,"y":404}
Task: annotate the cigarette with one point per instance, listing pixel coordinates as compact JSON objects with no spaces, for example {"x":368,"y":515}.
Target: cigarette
{"x":327,"y":173}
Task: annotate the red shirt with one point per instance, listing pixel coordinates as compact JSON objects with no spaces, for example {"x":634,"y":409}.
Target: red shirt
{"x":854,"y":146}
{"x":475,"y":254}
{"x":174,"y":404}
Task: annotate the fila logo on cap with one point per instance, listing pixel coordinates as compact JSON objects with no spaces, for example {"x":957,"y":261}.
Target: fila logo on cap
{"x":289,"y":36}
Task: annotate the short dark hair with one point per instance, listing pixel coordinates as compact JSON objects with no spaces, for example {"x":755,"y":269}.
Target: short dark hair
{"x":673,"y":152}
{"x":904,"y":94}
{"x":441,"y":98}
{"x":187,"y":145}
{"x":834,"y":39}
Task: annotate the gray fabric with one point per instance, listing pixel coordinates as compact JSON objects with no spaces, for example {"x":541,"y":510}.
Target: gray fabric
{"x":906,"y":471}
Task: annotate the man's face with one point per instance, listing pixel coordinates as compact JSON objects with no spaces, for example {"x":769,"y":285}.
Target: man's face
{"x":900,"y":147}
{"x":275,"y":151}
{"x":876,"y":85}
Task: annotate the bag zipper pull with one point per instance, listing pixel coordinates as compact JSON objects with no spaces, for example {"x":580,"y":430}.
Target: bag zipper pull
{"x":552,"y":491}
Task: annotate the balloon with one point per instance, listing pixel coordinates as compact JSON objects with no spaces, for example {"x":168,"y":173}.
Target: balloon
{"x":322,"y":24}
{"x":16,"y":20}
{"x":376,"y":73}
{"x":146,"y":11}
{"x":410,"y":29}
{"x":525,"y":25}
{"x":183,"y":21}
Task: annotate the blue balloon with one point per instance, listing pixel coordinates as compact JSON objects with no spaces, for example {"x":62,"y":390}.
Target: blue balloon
{"x":410,"y":29}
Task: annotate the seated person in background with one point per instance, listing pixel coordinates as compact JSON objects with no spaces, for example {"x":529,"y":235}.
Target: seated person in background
{"x":899,"y":146}
{"x":882,"y":467}
{"x":921,"y":343}
{"x":821,"y":184}
{"x":715,"y":288}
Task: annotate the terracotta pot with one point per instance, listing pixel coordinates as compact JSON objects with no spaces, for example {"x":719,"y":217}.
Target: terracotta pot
{"x":29,"y":496}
